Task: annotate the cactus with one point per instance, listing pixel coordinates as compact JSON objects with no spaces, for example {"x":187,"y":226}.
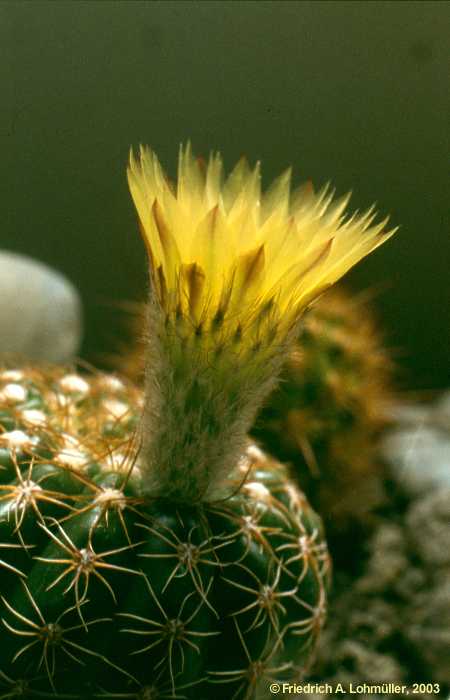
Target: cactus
{"x":147,"y":549}
{"x":329,"y":408}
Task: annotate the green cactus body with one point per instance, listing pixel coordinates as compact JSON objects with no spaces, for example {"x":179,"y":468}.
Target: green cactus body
{"x":145,"y":550}
{"x":106,"y":593}
{"x":329,"y":407}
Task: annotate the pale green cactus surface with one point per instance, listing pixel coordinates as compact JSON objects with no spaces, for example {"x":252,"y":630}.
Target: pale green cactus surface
{"x":105,"y":593}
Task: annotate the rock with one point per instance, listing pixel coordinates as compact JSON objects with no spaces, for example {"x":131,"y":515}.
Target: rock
{"x":417,"y":451}
{"x":40,"y":311}
{"x":392,"y":622}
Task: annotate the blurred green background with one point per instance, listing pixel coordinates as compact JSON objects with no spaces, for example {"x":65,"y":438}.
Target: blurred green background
{"x":354,"y":92}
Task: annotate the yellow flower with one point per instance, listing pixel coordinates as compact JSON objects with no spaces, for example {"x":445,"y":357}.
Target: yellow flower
{"x":224,"y":255}
{"x":231,"y":271}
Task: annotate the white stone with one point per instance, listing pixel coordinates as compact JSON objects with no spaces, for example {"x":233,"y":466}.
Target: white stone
{"x":40,"y":311}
